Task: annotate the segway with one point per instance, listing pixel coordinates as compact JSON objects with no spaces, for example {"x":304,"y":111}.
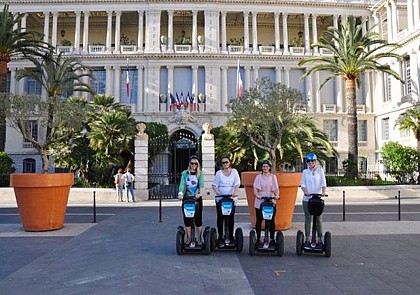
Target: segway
{"x":189,"y":205}
{"x":267,"y":208}
{"x":315,"y":207}
{"x":227,"y":204}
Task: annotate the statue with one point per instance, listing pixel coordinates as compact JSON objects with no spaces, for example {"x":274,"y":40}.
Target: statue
{"x":182,"y":116}
{"x":140,"y":131}
{"x":207,"y":128}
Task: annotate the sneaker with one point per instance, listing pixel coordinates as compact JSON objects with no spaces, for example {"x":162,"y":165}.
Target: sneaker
{"x":227,"y":241}
{"x":320,"y":245}
{"x":192,"y":244}
{"x":307,"y":244}
{"x":266,"y":245}
{"x":220,"y":240}
{"x":313,"y":245}
{"x":272,"y":243}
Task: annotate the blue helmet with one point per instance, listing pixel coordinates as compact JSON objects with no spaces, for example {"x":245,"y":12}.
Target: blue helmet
{"x":310,"y":156}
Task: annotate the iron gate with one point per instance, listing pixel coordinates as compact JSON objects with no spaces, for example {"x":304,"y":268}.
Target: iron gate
{"x":166,"y":167}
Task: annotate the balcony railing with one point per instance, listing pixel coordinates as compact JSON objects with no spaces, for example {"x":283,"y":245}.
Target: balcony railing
{"x":266,"y":49}
{"x":96,"y":49}
{"x":182,"y":48}
{"x":297,"y":50}
{"x":65,"y":49}
{"x":128,"y":48}
{"x":235,"y":49}
{"x":329,"y":108}
{"x":325,"y":51}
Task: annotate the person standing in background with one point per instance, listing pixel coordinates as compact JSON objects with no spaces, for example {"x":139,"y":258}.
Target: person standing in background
{"x":119,"y":184}
{"x":129,"y":184}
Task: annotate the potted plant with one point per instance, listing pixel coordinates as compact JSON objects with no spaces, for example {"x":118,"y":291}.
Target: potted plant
{"x":42,"y":198}
{"x":267,"y":116}
{"x":164,"y":42}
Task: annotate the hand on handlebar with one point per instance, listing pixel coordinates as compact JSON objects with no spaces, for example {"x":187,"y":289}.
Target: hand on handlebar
{"x":180,"y":195}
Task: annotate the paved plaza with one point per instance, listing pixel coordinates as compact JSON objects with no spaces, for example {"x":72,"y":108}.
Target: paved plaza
{"x":129,"y":251}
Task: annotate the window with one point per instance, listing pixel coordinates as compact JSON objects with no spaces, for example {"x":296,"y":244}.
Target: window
{"x":330,"y":129}
{"x":362,"y":164}
{"x":32,"y":128}
{"x":362,"y":130}
{"x":385,"y":129}
{"x":331,"y":166}
{"x":99,"y":81}
{"x":388,"y":93}
{"x":406,"y":75}
{"x":29,"y":165}
{"x":33,"y":87}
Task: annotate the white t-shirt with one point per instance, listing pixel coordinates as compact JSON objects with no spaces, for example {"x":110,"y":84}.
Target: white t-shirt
{"x":226,"y":184}
{"x":313,"y":181}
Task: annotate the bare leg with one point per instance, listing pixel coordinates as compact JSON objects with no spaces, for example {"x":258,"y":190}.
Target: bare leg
{"x":188,"y":229}
{"x":199,"y":231}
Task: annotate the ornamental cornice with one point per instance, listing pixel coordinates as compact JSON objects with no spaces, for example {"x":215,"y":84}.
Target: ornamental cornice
{"x":320,"y":3}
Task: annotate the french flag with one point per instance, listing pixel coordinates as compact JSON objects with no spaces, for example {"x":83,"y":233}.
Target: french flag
{"x":239,"y":83}
{"x":127,"y":80}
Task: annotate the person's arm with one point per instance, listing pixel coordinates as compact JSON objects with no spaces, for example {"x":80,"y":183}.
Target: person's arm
{"x":215,"y":184}
{"x":182,"y":187}
{"x":236,"y":183}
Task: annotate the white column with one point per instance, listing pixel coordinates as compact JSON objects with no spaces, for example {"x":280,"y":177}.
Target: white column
{"x":54,"y":29}
{"x":224,"y":98}
{"x":278,"y":75}
{"x":108,"y":80}
{"x":389,"y":22}
{"x":335,"y":24}
{"x":140,"y":32}
{"x":117,"y":48}
{"x":339,"y":94}
{"x":287,"y":76}
{"x":410,"y":23}
{"x":254,"y":33}
{"x":394,"y":13}
{"x":285,"y":35}
{"x":13,"y":80}
{"x":109,"y":31}
{"x":314,"y":33}
{"x":141,"y":166}
{"x":369,"y":88}
{"x":195,"y":82}
{"x":23,"y":22}
{"x":246,"y":31}
{"x":364,"y":24}
{"x":224,"y":49}
{"x":255,"y":74}
{"x":21,"y":84}
{"x":170,"y":80}
{"x":170,"y":31}
{"x":306,"y":34}
{"x":117,"y":83}
{"x":152,"y":35}
{"x":46,"y":25}
{"x":140,"y":92}
{"x":277,"y":32}
{"x":194,"y":31}
{"x":309,"y":93}
{"x":15,"y":25}
{"x":317,"y":92}
{"x":77,"y":33}
{"x":416,"y":12}
{"x":247,"y":77}
{"x":85,"y":31}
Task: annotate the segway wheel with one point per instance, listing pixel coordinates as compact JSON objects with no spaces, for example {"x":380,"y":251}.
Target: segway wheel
{"x":327,"y":244}
{"x":179,"y":243}
{"x":207,"y":241}
{"x":239,"y":239}
{"x":213,"y":238}
{"x":252,"y":241}
{"x":280,"y":244}
{"x":299,"y":243}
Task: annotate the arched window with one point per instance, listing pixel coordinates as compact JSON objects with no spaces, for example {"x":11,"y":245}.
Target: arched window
{"x":29,"y":165}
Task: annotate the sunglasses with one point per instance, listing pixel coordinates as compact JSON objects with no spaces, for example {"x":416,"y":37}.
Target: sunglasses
{"x":193,"y":163}
{"x":310,"y":161}
{"x":225,"y":162}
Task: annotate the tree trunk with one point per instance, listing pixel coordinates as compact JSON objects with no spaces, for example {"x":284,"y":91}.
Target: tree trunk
{"x":273,"y":161}
{"x":44,"y":157}
{"x":353,"y":153}
{"x":3,"y":82}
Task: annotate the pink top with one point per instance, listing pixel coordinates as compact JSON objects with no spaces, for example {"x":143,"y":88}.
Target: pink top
{"x":267,"y":187}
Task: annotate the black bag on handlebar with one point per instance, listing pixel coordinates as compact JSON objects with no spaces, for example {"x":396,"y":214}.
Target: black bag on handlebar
{"x":315,"y":206}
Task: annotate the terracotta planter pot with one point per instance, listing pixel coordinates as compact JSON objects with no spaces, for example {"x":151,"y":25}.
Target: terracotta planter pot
{"x":288,"y":184}
{"x":42,"y":199}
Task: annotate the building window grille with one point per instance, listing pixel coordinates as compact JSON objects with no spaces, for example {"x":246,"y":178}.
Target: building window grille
{"x":385,"y":129}
{"x":362,"y":130}
{"x":330,"y":129}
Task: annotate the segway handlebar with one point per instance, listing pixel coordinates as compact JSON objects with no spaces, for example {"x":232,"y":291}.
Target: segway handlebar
{"x":318,"y":195}
{"x":224,"y":196}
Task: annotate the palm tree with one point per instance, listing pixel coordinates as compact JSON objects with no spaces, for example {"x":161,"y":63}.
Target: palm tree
{"x":410,"y":120}
{"x":353,"y":54}
{"x":14,"y":42}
